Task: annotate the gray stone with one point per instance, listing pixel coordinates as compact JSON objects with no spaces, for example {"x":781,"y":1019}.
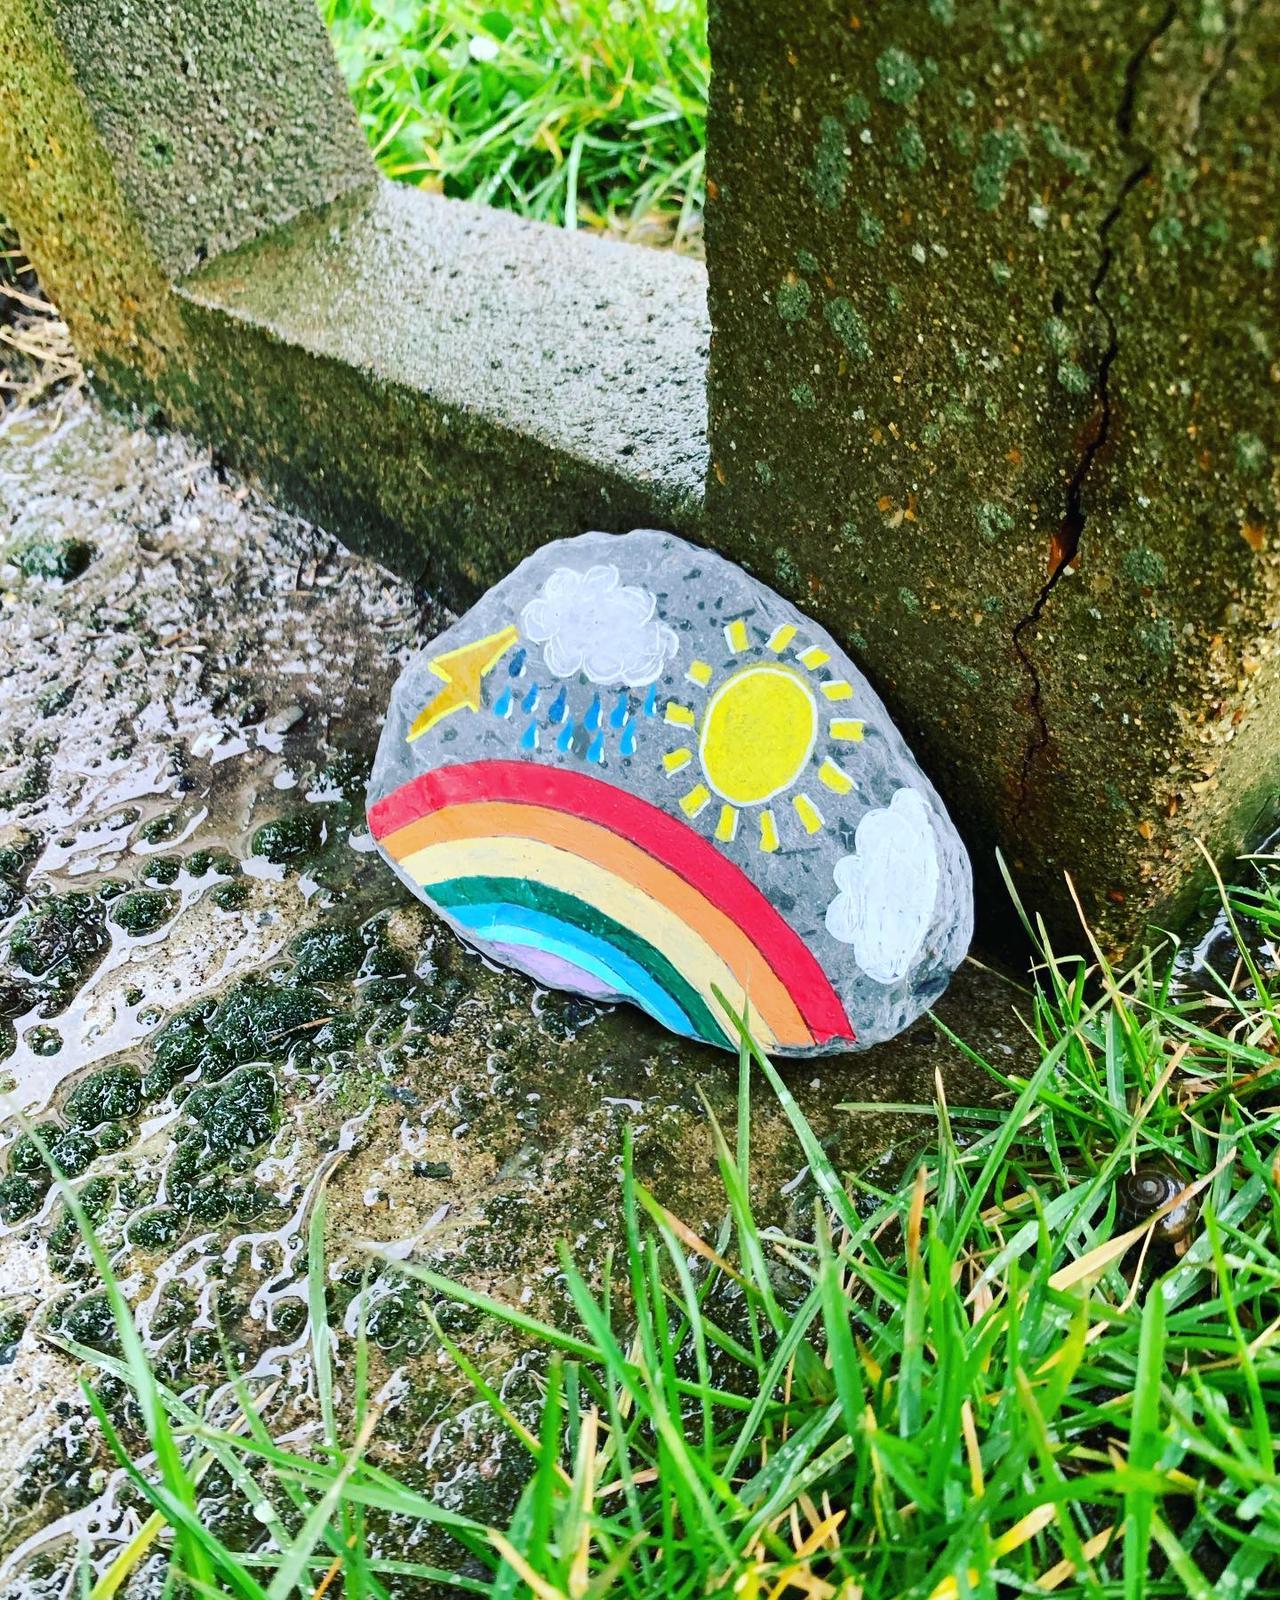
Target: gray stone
{"x":634,"y":772}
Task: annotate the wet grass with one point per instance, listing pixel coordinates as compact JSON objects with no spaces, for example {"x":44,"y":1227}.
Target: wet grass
{"x":1043,"y":1361}
{"x":591,"y":114}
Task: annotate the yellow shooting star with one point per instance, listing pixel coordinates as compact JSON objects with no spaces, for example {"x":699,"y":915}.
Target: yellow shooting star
{"x":462,"y":671}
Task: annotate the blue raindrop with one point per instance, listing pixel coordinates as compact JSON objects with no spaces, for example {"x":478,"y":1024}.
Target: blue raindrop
{"x":516,"y":665}
{"x":556,"y":714}
{"x":529,"y":738}
{"x":619,"y":713}
{"x":531,"y":699}
{"x":502,"y":705}
{"x":565,"y":741}
{"x":651,"y":700}
{"x":628,"y":742}
{"x":592,"y":719}
{"x":596,"y":752}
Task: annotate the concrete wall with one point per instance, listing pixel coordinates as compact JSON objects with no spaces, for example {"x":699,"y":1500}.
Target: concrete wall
{"x":993,"y":388}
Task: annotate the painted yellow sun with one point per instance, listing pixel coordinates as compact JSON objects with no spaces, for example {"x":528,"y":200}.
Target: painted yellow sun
{"x":757,"y":734}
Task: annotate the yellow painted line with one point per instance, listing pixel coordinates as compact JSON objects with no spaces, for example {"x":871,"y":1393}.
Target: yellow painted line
{"x":679,"y":715}
{"x":700,"y":673}
{"x":808,"y":813}
{"x":727,"y":827}
{"x":696,"y":800}
{"x":814,"y":657}
{"x":842,"y":728}
{"x":736,"y":634}
{"x":781,"y":637}
{"x":835,"y":777}
{"x":675,"y":759}
{"x":768,"y":832}
{"x":837,"y":689}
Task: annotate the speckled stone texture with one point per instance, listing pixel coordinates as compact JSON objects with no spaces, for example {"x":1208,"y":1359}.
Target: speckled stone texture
{"x":221,"y":120}
{"x":214,"y":234}
{"x":634,"y":772}
{"x":517,"y":378}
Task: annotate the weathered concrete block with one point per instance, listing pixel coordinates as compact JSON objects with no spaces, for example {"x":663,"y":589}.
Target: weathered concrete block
{"x":451,"y":385}
{"x":220,"y":121}
{"x":442,"y":383}
{"x":993,"y":387}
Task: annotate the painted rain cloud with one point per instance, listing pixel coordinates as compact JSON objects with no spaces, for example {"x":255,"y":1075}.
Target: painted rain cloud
{"x":633,"y":772}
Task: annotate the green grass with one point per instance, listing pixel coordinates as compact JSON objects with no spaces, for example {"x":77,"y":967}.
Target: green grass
{"x":987,"y":1380}
{"x":577,"y":112}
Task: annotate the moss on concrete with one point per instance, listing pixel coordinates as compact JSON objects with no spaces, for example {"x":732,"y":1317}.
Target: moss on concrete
{"x":63,"y":195}
{"x":221,"y":120}
{"x":1038,"y":484}
{"x":515,"y":378}
{"x":59,"y":560}
{"x":182,"y":128}
{"x":143,"y":911}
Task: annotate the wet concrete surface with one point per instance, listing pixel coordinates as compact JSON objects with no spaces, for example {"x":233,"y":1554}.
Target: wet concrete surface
{"x":215,"y":1000}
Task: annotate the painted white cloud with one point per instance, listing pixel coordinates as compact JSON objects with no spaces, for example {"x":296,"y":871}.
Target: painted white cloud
{"x":589,"y":622}
{"x":887,"y":888}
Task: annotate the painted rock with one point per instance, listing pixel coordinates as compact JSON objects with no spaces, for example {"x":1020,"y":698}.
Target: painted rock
{"x":633,"y":772}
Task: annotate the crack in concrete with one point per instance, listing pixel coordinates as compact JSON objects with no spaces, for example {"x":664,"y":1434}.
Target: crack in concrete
{"x":1067,"y":544}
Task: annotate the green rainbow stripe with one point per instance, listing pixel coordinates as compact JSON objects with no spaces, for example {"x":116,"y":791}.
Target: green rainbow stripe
{"x":488,"y":896}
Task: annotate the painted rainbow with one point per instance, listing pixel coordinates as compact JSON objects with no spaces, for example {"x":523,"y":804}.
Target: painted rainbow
{"x":585,"y":886}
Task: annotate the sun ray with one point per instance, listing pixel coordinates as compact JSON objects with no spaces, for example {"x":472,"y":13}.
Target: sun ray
{"x":835,"y":777}
{"x":696,"y":800}
{"x":808,"y":813}
{"x":727,"y":826}
{"x":814,"y":657}
{"x":768,"y":832}
{"x":736,"y":634}
{"x":700,"y":673}
{"x":680,"y":716}
{"x":844,"y":728}
{"x":781,"y":637}
{"x":837,"y":689}
{"x":674,"y":760}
